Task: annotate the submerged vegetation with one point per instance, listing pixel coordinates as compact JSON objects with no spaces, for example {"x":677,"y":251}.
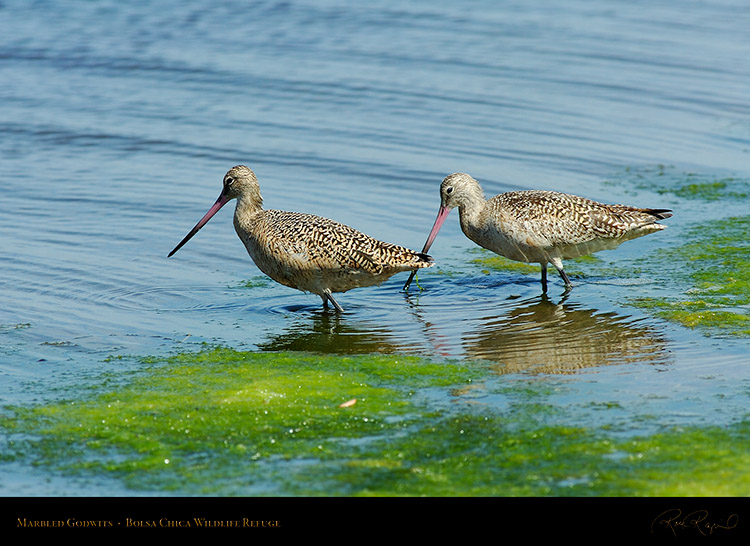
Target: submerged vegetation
{"x":225,"y":422}
{"x":490,"y":261}
{"x":715,"y":265}
{"x":665,"y":179}
{"x":711,"y":268}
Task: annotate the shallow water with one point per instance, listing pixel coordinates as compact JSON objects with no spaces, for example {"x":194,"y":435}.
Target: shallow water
{"x":120,"y":119}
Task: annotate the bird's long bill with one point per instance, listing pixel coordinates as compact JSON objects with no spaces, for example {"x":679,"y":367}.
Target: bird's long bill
{"x":220,"y":202}
{"x":442,"y":215}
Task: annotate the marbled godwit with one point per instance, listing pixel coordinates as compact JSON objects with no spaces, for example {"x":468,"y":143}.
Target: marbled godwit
{"x":306,"y":252}
{"x":540,"y":226}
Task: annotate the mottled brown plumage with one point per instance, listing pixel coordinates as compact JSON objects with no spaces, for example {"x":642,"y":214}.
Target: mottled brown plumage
{"x":304,"y":251}
{"x":540,"y":226}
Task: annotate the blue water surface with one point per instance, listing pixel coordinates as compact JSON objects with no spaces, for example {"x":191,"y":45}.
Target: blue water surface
{"x":119,"y":119}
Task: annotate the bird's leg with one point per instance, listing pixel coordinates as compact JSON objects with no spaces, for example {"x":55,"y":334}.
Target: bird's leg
{"x":333,"y":301}
{"x":565,"y":277}
{"x":325,"y":302}
{"x":544,"y":277}
{"x":557,"y":262}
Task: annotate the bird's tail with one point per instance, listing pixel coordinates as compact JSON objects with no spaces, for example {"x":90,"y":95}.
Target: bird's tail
{"x":660,"y":214}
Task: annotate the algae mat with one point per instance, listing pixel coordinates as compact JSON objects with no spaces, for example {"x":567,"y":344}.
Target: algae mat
{"x":224,"y":422}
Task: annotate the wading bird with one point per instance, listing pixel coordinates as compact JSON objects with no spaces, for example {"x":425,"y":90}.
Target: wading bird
{"x":538,"y":226}
{"x":303,"y":251}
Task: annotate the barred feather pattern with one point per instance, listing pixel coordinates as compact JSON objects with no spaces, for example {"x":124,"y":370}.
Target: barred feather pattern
{"x":304,"y":251}
{"x":315,"y":254}
{"x":535,"y":224}
{"x":539,"y":226}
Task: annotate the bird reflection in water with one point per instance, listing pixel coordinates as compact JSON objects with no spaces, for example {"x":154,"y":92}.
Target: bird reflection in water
{"x":329,"y":333}
{"x":534,"y":335}
{"x":541,"y":336}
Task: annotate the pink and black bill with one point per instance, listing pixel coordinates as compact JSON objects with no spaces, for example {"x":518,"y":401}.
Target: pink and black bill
{"x":442,"y":215}
{"x":220,"y":202}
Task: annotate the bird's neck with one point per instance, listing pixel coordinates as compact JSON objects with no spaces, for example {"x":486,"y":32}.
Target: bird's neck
{"x":246,"y":208}
{"x":469,"y":212}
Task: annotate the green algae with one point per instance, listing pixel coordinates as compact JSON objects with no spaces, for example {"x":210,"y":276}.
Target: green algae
{"x":223,"y":405}
{"x":11,"y":327}
{"x":708,"y":191}
{"x":492,"y":458}
{"x":225,"y":422}
{"x":699,"y":315}
{"x":499,"y":263}
{"x":490,"y":261}
{"x":708,"y":274}
{"x":255,"y":282}
{"x":713,"y":270}
{"x":666,"y":179}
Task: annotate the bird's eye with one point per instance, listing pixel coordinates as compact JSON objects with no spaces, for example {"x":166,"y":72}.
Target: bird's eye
{"x":229,"y":181}
{"x":449,"y":190}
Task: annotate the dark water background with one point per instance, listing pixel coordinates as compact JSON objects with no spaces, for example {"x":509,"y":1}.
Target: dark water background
{"x":119,"y":119}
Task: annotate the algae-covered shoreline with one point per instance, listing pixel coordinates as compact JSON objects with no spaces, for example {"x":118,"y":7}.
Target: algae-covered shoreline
{"x":225,"y":422}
